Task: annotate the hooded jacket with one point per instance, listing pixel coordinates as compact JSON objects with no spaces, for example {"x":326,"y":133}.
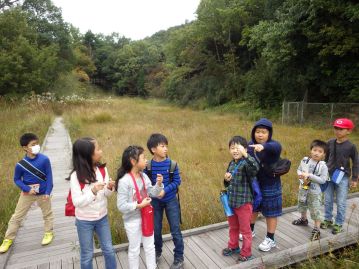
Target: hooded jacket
{"x":270,"y":154}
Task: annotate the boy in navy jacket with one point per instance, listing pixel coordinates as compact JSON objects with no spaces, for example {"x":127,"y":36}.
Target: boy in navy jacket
{"x":33,"y":176}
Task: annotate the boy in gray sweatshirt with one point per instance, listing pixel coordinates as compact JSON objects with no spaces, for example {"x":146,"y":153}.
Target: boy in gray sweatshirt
{"x":312,"y":172}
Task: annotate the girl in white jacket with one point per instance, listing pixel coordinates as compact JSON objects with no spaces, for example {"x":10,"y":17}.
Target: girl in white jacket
{"x":133,"y":164}
{"x":90,"y":187}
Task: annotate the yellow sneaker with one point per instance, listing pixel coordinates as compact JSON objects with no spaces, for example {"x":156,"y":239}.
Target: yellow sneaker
{"x":5,"y":245}
{"x":47,"y":238}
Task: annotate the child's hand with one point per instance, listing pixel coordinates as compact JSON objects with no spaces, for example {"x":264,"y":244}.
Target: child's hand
{"x":305,"y":175}
{"x":227,"y":176}
{"x":110,"y":184}
{"x":306,"y":181}
{"x":353,"y":184}
{"x":45,"y":197}
{"x":32,"y":192}
{"x":97,"y":187}
{"x":159,"y":179}
{"x":243,"y":151}
{"x":145,"y":202}
{"x":257,"y":147}
{"x":162,"y":193}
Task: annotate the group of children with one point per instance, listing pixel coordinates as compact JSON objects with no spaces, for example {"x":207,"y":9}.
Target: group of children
{"x":140,"y":183}
{"x":90,"y":185}
{"x":327,"y":169}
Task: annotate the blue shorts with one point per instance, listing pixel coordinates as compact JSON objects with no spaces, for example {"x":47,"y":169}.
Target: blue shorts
{"x":271,"y":205}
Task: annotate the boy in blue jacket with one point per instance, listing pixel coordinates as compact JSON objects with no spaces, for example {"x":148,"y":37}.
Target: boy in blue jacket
{"x":33,"y":175}
{"x":163,"y":167}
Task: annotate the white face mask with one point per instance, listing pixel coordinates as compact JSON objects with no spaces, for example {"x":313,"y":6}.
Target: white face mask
{"x":35,"y":149}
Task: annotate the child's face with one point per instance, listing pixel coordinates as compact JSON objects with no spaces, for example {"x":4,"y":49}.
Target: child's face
{"x":235,"y":152}
{"x":142,"y":162}
{"x":341,"y":133}
{"x":161,"y":150}
{"x":29,"y":146}
{"x":317,"y":153}
{"x":97,"y":154}
{"x":261,"y":135}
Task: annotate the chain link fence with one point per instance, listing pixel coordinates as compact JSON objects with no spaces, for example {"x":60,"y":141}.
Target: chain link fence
{"x":318,"y":113}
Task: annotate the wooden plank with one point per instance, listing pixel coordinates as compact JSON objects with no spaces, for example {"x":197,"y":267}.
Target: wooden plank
{"x":301,"y":252}
{"x":76,"y":263}
{"x":211,"y":249}
{"x":282,"y":240}
{"x":208,"y":262}
{"x":123,"y":258}
{"x":67,"y":263}
{"x":43,"y":266}
{"x":55,"y":264}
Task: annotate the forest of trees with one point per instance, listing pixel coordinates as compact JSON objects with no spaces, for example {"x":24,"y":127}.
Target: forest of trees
{"x":258,"y":51}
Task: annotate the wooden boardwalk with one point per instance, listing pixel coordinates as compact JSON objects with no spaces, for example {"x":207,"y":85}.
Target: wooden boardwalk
{"x":203,"y":245}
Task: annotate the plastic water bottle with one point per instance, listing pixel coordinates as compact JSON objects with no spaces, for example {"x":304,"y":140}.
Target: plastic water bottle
{"x":225,"y":202}
{"x":338,"y":175}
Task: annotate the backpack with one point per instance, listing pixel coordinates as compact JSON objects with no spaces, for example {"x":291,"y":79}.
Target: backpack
{"x":69,"y":206}
{"x":323,"y":186}
{"x":279,"y":168}
{"x":171,"y":170}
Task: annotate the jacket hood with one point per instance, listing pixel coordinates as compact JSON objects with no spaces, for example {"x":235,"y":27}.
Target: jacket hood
{"x":264,"y":123}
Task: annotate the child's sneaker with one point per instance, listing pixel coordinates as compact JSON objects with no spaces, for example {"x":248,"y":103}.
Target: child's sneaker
{"x":177,"y":264}
{"x":267,"y":244}
{"x":244,"y":259}
{"x":315,"y":234}
{"x":5,"y":245}
{"x":300,"y":222}
{"x":337,"y":229}
{"x":230,"y":251}
{"x":326,"y":224}
{"x":158,"y":256}
{"x":48,"y":236}
{"x":241,"y":236}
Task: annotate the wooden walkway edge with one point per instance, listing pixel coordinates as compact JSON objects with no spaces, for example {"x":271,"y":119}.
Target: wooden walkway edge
{"x":203,"y":245}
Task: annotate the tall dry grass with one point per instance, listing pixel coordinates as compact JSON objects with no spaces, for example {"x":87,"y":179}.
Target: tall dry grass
{"x":197,"y":141}
{"x":16,"y":119}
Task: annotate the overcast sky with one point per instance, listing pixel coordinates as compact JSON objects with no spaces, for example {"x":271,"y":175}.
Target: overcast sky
{"x":134,"y":19}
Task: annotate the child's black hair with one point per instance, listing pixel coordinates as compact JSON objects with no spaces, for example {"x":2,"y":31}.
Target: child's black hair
{"x":320,"y":144}
{"x":82,"y":151}
{"x":155,"y":140}
{"x":25,"y":139}
{"x":131,"y":152}
{"x":238,"y":140}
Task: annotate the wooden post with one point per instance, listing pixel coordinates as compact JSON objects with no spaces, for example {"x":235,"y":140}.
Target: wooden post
{"x":302,"y":113}
{"x":283,"y":112}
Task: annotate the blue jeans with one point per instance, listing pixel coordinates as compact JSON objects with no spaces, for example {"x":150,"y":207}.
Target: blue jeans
{"x":85,"y":231}
{"x":341,"y":192}
{"x":173,"y":216}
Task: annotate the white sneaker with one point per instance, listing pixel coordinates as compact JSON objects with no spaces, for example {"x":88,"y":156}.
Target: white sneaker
{"x":241,"y":236}
{"x":267,"y":244}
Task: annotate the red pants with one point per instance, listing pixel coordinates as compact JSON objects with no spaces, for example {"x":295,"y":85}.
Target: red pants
{"x":240,"y":222}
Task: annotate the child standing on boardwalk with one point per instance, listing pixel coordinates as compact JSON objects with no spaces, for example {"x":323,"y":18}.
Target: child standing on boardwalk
{"x":131,"y":180}
{"x":237,"y":180}
{"x":340,"y":151}
{"x":33,"y":175}
{"x":90,"y":187}
{"x":163,"y":167}
{"x":267,"y":152}
{"x":312,"y":172}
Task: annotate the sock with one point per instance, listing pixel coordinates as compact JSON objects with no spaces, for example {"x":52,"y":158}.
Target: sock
{"x":252,"y":227}
{"x":270,"y":235}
